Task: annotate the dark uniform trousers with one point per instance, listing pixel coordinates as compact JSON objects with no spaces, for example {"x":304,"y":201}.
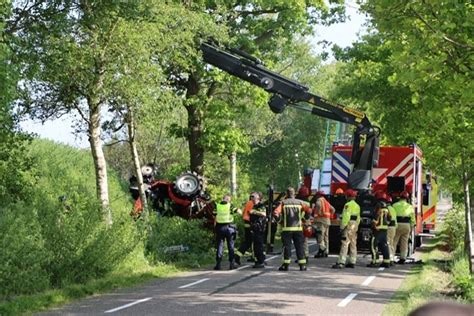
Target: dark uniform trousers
{"x":246,"y":244}
{"x":297,"y":238}
{"x":225,"y":232}
{"x":258,"y":244}
{"x":379,"y":242}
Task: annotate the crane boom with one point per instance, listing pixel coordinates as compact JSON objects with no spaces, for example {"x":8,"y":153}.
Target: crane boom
{"x":287,"y":92}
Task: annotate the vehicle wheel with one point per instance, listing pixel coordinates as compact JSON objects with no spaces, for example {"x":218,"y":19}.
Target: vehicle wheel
{"x":189,"y":184}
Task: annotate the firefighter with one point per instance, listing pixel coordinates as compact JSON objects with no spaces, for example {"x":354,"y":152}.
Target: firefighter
{"x":258,"y":221}
{"x":246,"y":244}
{"x":392,"y":229}
{"x":225,"y":230}
{"x":379,"y":236}
{"x":292,"y":211}
{"x":349,"y":226}
{"x":322,"y":212}
{"x":405,"y":221}
{"x":303,"y":195}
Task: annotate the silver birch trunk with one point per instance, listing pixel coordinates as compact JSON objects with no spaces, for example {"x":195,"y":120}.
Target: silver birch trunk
{"x":136,"y":159}
{"x":468,"y":232}
{"x":99,"y":160}
{"x":233,"y":173}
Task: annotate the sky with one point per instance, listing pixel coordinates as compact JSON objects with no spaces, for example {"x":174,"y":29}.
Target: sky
{"x":343,"y":34}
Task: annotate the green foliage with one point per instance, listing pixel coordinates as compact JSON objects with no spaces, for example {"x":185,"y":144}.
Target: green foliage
{"x":175,"y":231}
{"x":461,"y":278}
{"x":56,"y":236}
{"x":23,"y":258}
{"x":454,"y":227}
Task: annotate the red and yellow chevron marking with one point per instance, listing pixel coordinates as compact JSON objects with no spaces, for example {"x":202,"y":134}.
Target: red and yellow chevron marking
{"x":429,"y":215}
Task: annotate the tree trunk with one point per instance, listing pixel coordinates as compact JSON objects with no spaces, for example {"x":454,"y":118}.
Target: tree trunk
{"x":136,"y":160}
{"x":99,"y":159}
{"x":195,"y":127}
{"x":467,"y":206}
{"x":233,"y":173}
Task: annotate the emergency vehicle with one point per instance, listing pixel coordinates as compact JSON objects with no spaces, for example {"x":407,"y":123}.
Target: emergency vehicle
{"x":399,"y":169}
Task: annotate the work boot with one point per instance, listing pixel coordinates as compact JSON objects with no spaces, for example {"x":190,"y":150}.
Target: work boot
{"x":303,"y":267}
{"x":350,"y":265}
{"x":372,"y":265}
{"x":283,"y":267}
{"x":232,"y":265}
{"x":401,"y":261}
{"x":258,"y":265}
{"x":237,"y":260}
{"x":321,"y":254}
{"x":385,"y":265}
{"x":338,"y":266}
{"x":218,"y":266}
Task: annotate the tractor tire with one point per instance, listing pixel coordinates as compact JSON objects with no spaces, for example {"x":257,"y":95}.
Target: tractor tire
{"x":190,"y":184}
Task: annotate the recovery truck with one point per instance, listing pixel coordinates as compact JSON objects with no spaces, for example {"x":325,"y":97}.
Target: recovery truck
{"x":399,"y":168}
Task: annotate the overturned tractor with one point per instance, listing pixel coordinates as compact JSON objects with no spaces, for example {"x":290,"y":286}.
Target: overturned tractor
{"x":185,"y":197}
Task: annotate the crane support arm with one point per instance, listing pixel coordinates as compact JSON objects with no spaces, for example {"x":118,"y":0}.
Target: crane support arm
{"x":287,"y":92}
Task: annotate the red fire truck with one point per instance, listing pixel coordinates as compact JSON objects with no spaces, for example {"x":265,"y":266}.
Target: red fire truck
{"x":399,"y":169}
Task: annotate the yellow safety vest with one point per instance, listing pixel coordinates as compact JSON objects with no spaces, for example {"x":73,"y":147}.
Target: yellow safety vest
{"x":223,"y":214}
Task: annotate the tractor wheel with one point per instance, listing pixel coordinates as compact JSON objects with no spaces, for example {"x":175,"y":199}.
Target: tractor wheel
{"x":189,"y":184}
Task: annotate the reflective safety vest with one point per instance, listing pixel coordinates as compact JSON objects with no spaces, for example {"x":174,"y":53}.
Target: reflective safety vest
{"x":325,"y":210}
{"x":223,"y":214}
{"x":382,"y":220}
{"x":405,"y":212}
{"x":292,"y":213}
{"x":351,"y":212}
{"x":393,"y":215}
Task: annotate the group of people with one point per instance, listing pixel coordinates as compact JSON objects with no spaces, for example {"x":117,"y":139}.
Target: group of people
{"x":296,"y":214}
{"x":391,"y":227}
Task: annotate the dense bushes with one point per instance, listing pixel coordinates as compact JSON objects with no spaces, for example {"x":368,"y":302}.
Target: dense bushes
{"x":175,"y":240}
{"x":56,"y":235}
{"x":454,"y":229}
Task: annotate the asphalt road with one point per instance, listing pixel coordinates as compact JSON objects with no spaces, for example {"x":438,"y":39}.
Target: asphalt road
{"x":318,"y":291}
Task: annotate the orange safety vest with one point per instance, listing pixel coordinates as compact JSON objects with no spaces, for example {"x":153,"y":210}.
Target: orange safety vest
{"x":325,"y":211}
{"x":246,"y":213}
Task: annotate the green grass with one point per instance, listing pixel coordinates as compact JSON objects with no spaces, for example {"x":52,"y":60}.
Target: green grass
{"x":432,"y":281}
{"x":123,"y":277}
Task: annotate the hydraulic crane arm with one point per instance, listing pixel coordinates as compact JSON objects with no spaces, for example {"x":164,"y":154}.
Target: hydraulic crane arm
{"x":286,"y":92}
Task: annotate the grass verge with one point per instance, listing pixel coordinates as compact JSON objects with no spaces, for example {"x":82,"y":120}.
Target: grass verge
{"x":134,"y":273}
{"x":432,"y":281}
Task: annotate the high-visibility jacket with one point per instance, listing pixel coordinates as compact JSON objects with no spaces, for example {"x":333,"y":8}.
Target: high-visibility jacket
{"x":223,"y":212}
{"x":393,"y":216}
{"x":292,"y":212}
{"x":323,"y":211}
{"x":351,"y":212}
{"x":381,"y":220}
{"x":405,"y":212}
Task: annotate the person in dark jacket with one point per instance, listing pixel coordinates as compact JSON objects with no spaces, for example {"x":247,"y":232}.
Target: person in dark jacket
{"x":258,"y":221}
{"x":292,"y":211}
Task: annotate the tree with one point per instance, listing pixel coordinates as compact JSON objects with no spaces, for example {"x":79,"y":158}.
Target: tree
{"x":263,"y":27}
{"x":428,"y":51}
{"x":74,"y":54}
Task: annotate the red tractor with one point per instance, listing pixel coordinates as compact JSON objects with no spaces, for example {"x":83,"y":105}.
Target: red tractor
{"x":186,"y":197}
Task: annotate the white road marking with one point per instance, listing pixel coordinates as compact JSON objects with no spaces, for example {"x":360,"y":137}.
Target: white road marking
{"x":194,"y":283}
{"x":368,"y":280}
{"x":347,"y":300}
{"x":242,"y":267}
{"x":381,"y":269}
{"x":128,"y":305}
